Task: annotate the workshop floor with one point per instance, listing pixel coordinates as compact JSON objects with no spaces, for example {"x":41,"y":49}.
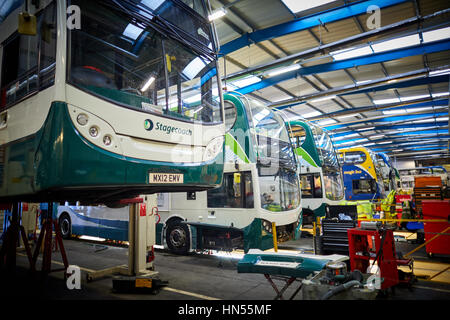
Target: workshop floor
{"x":192,"y":277}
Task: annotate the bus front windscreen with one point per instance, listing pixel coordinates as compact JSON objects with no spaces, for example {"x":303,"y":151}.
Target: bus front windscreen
{"x":279,"y":191}
{"x":325,"y":148}
{"x":278,"y":178}
{"x":139,"y":61}
{"x":333,"y":184}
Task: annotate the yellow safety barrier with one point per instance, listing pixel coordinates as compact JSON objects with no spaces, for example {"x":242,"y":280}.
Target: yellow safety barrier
{"x":426,"y":242}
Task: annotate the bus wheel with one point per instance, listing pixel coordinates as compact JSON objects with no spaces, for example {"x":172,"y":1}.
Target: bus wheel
{"x":178,"y":237}
{"x":65,"y":226}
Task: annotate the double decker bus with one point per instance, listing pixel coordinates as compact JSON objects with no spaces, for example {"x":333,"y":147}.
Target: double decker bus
{"x":320,"y":172}
{"x":106,"y":100}
{"x":260,"y":187}
{"x":362,"y":174}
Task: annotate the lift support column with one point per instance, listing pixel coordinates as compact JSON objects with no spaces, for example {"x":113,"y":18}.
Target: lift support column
{"x":139,"y":275}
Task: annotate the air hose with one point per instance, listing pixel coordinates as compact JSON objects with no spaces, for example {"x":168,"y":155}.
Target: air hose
{"x":340,"y":288}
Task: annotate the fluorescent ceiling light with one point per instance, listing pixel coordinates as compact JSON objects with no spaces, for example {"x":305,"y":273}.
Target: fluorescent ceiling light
{"x":396,"y":150}
{"x":348,"y":116}
{"x":358,"y":83}
{"x":409,"y":110}
{"x":399,"y":111}
{"x":326,"y":122}
{"x":352,"y":142}
{"x":216,"y":14}
{"x":396,"y":43}
{"x":351,"y":53}
{"x":439,"y":94}
{"x":384,"y":142}
{"x":422,"y":96}
{"x":323,"y":99}
{"x":302,"y":5}
{"x":435,"y":35}
{"x":283,"y":70}
{"x":347,"y":136}
{"x":439,"y":72}
{"x":312,"y":114}
{"x":386,"y":101}
{"x":363,"y":129}
{"x":378,"y":136}
{"x":369,"y":144}
{"x":148,"y":83}
{"x":246,"y":81}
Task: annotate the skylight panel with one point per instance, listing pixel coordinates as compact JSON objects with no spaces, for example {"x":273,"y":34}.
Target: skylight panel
{"x":435,"y":35}
{"x":193,"y":68}
{"x":132,"y":31}
{"x":297,"y":6}
{"x":397,"y":43}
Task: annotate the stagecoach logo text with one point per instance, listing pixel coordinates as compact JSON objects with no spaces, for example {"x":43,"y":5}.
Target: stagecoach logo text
{"x":148,"y":125}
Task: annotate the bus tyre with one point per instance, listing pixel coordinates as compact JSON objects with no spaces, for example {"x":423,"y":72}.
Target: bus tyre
{"x":178,"y":237}
{"x":65,"y":226}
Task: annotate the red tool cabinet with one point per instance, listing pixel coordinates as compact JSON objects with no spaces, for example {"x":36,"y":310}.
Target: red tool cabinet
{"x":436,"y":210}
{"x":364,"y":245}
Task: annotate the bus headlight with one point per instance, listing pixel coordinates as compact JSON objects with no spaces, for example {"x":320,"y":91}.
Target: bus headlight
{"x":82,"y":119}
{"x":267,"y":225}
{"x":213,"y":148}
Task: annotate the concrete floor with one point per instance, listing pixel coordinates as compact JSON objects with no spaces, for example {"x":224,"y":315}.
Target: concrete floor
{"x":192,"y":277}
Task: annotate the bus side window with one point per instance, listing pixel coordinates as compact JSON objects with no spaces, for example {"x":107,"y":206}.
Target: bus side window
{"x":248,"y":187}
{"x":20,"y":75}
{"x":317,"y":186}
{"x":230,"y":194}
{"x":306,"y":185}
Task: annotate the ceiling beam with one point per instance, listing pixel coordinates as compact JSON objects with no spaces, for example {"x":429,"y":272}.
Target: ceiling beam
{"x":304,"y":23}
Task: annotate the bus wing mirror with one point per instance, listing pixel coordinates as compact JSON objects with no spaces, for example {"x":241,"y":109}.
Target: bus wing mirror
{"x":27,"y":24}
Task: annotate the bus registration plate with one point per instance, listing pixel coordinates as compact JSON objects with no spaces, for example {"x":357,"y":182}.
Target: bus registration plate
{"x":166,"y":178}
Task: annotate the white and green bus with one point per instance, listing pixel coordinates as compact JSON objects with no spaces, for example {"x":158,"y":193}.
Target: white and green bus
{"x":99,"y":100}
{"x":260,"y":187}
{"x":319,"y":169}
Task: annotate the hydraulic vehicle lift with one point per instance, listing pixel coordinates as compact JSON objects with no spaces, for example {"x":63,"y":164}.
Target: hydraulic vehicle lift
{"x":139,"y":275}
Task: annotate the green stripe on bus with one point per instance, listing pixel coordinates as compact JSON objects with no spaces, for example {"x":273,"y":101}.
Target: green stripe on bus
{"x":302,"y":153}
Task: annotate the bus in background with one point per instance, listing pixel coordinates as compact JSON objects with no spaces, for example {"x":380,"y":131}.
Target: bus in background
{"x":320,"y":172}
{"x":260,"y":187}
{"x":388,"y":172}
{"x":407,"y":175}
{"x":361,"y":173}
{"x":107,"y":109}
